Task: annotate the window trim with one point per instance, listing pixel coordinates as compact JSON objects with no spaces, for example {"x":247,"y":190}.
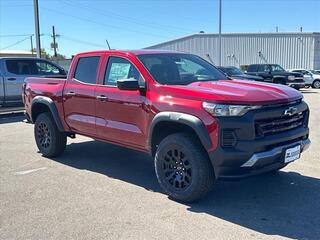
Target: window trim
{"x":97,"y":73}
{"x":106,"y":68}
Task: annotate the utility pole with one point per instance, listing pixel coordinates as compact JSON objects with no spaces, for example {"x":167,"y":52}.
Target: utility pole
{"x":54,"y":42}
{"x":300,"y":29}
{"x":277,"y":29}
{"x":31,"y":42}
{"x":220,"y":10}
{"x":37,"y":27}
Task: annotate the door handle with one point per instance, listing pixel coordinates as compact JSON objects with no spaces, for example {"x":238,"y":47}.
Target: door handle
{"x":102,"y":98}
{"x":12,"y":79}
{"x":70,"y":93}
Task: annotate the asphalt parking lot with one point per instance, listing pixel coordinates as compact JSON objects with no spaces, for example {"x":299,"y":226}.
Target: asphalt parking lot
{"x":100,"y":191}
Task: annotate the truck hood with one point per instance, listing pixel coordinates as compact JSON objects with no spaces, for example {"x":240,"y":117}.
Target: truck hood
{"x":233,"y":92}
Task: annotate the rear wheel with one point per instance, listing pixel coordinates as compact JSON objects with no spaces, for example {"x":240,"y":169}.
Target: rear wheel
{"x":316,"y":84}
{"x":50,"y":141}
{"x":183,"y":168}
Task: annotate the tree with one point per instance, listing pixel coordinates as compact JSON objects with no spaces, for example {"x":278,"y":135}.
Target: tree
{"x":58,"y":57}
{"x":46,"y":55}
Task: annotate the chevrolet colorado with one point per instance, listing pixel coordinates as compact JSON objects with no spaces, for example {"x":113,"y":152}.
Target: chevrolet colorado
{"x":198,"y":125}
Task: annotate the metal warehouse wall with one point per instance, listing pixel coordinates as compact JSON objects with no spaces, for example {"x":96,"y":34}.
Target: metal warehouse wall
{"x":291,"y":50}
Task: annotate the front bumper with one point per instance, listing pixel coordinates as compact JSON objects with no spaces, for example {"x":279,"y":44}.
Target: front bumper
{"x":297,"y":84}
{"x":254,"y":154}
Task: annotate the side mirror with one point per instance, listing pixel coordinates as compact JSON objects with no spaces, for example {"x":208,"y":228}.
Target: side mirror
{"x":63,"y":72}
{"x":128,"y":84}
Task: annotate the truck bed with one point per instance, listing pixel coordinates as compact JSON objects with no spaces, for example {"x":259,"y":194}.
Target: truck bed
{"x":49,"y":87}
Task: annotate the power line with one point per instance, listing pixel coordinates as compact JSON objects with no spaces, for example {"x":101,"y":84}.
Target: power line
{"x":103,"y":24}
{"x":129,"y":19}
{"x":16,"y":35}
{"x":16,"y":43}
{"x":82,"y":42}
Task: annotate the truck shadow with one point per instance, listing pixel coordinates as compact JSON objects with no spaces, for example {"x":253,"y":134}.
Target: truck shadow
{"x":285,"y":204}
{"x":308,"y":92}
{"x":11,"y":118}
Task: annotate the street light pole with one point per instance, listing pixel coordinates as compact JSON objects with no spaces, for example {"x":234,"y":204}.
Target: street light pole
{"x":31,"y":42}
{"x":37,"y":27}
{"x":219,"y":39}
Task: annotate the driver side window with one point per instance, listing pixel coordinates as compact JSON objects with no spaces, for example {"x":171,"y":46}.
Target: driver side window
{"x":45,"y":68}
{"x":120,"y":68}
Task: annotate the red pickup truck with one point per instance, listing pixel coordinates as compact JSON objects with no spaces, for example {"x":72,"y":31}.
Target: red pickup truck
{"x":198,"y":125}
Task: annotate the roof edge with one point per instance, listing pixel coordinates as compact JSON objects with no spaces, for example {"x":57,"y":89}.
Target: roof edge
{"x":234,"y":34}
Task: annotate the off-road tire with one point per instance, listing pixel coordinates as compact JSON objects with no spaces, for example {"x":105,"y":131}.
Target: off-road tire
{"x":50,"y":141}
{"x":185,"y":151}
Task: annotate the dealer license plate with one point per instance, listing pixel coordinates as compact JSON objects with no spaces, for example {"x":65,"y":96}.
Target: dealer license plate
{"x":292,"y":154}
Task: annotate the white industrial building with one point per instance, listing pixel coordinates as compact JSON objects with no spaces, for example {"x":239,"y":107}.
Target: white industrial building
{"x":290,"y":50}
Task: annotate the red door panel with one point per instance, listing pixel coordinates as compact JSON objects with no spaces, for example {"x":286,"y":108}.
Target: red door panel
{"x":79,"y":107}
{"x":122,"y":116}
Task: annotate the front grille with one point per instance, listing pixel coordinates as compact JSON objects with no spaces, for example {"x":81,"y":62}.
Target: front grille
{"x":270,"y":126}
{"x":298,"y":79}
{"x":228,"y":138}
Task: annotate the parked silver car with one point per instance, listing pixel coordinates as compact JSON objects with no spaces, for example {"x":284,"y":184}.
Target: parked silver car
{"x":13,"y":71}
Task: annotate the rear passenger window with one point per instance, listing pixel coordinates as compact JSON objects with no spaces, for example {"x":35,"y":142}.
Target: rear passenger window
{"x":252,"y":68}
{"x":21,"y":67}
{"x":86,"y":70}
{"x":264,"y":68}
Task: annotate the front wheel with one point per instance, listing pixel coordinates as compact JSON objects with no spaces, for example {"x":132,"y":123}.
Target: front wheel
{"x":50,"y":141}
{"x":183,"y":168}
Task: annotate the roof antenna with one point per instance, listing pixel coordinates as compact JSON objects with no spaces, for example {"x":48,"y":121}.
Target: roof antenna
{"x":108,"y":44}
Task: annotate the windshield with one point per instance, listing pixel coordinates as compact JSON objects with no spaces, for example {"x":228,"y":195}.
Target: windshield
{"x":179,"y":69}
{"x":276,"y":68}
{"x":314,"y":71}
{"x":232,"y":71}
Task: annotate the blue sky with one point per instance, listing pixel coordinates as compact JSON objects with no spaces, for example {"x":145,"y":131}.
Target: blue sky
{"x":129,"y":24}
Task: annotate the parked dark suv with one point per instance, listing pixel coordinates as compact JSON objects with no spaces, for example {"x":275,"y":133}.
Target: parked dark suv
{"x":236,"y":73}
{"x":274,"y":73}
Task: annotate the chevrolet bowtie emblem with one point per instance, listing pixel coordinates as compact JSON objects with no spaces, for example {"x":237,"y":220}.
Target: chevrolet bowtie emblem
{"x":290,"y":111}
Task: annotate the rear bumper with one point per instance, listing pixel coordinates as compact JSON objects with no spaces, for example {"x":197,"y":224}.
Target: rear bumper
{"x":251,"y":154}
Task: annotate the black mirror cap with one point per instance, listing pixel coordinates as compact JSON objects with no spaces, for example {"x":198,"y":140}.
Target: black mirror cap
{"x":128,"y":84}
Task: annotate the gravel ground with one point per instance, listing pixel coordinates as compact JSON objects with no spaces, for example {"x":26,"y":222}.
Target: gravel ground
{"x":100,"y":191}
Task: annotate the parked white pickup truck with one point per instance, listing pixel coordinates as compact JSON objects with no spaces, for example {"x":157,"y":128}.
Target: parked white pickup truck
{"x":13,"y":71}
{"x":311,"y":77}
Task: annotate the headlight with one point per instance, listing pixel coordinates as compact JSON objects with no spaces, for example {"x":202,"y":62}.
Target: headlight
{"x":291,"y":78}
{"x":223,"y":110}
